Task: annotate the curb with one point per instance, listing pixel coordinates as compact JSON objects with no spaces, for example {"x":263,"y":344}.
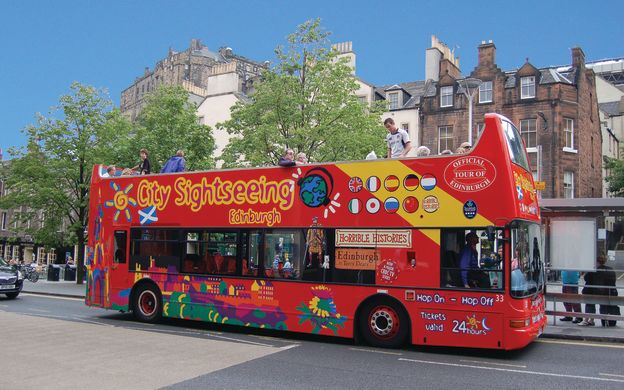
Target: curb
{"x":603,"y":339}
{"x":53,"y":294}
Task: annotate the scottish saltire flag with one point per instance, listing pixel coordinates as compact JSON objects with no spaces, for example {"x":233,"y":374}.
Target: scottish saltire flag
{"x":428,"y":182}
{"x":372,"y":184}
{"x":148,"y":215}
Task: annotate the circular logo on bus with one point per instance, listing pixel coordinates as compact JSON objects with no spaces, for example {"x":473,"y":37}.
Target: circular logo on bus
{"x":430,"y":204}
{"x":391,"y":205}
{"x":470,"y":209}
{"x":410,"y":204}
{"x":373,"y":205}
{"x":470,"y":174}
{"x":411,"y":182}
{"x":391,"y":183}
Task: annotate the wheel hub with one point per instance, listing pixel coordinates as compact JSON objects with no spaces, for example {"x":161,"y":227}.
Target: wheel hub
{"x":384,"y":322}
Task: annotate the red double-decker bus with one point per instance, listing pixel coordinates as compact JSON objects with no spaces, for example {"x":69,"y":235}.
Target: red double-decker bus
{"x":439,"y":250}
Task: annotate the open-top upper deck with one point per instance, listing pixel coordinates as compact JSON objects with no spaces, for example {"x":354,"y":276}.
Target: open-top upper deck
{"x":480,"y":188}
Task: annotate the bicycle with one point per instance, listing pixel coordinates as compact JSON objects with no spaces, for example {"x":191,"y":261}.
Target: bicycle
{"x":30,"y":273}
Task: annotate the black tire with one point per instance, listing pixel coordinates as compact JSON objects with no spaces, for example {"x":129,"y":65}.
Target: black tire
{"x":33,"y":277}
{"x":12,"y":295}
{"x":383,"y":323}
{"x":147,"y":304}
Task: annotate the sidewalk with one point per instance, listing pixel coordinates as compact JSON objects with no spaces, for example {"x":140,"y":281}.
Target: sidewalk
{"x":62,"y":288}
{"x":562,"y":330}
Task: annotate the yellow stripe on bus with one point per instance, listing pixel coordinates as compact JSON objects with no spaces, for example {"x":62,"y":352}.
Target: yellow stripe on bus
{"x":449,"y":213}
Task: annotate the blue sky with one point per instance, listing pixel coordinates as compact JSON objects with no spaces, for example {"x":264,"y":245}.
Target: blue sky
{"x":46,"y":45}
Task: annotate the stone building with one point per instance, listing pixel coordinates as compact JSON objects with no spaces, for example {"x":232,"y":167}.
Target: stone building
{"x":555,"y":109}
{"x":197,"y":69}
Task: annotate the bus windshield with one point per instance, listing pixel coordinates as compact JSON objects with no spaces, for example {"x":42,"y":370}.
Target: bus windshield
{"x":527,"y":268}
{"x":515,"y":145}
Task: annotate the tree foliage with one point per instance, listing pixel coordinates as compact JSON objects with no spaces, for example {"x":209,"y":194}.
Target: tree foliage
{"x":615,"y":179}
{"x":49,"y":178}
{"x":306,"y":102}
{"x":168,"y":123}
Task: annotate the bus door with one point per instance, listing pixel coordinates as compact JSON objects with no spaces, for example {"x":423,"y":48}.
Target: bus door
{"x":468,"y":308}
{"x":119,"y":267}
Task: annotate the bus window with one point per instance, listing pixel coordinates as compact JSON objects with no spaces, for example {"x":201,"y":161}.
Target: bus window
{"x":121,"y":240}
{"x":219,"y":252}
{"x":283,"y":253}
{"x":155,"y":248}
{"x":471,"y":259}
{"x":191,"y":261}
{"x":527,"y":269}
{"x":251,"y":253}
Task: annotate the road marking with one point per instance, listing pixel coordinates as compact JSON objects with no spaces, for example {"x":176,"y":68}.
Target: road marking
{"x":584,"y":344}
{"x":53,"y":297}
{"x":181,"y":332}
{"x":376,"y":351}
{"x":494,"y":364}
{"x":39,"y":310}
{"x":285,"y":347}
{"x":616,"y":375}
{"x":593,"y":378}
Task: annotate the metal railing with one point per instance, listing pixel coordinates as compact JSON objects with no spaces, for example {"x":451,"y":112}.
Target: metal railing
{"x":609,"y":300}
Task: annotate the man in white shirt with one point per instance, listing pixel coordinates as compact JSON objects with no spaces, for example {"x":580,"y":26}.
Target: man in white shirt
{"x":398,"y":140}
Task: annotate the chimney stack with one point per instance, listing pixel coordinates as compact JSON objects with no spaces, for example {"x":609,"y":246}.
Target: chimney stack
{"x":487,"y":54}
{"x":578,"y":58}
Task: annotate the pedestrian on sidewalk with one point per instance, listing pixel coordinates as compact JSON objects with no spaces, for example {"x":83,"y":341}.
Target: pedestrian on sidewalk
{"x":570,"y":280}
{"x":591,"y":280}
{"x":606,"y":279}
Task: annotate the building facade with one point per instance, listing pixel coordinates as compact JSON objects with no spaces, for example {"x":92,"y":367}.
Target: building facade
{"x":555,"y":109}
{"x":198,"y":70}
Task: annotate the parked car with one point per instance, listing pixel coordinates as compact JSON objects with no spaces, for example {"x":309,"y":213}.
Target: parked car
{"x":11,"y":280}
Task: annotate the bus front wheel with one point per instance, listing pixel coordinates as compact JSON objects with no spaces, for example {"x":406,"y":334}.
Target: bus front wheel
{"x":147,"y":305}
{"x":384,"y":324}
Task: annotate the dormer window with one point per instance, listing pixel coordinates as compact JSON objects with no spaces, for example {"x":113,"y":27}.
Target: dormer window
{"x":393,"y":98}
{"x":446,"y":96}
{"x":527,"y":87}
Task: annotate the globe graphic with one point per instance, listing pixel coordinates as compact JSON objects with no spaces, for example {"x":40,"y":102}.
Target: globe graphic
{"x":313,"y":191}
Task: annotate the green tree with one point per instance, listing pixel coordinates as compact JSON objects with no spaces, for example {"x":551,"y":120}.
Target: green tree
{"x":615,"y":179}
{"x":49,"y":178}
{"x":306,"y":102}
{"x":168,"y":123}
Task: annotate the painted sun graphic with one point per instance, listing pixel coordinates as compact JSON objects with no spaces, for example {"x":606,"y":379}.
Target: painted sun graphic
{"x":121,"y":200}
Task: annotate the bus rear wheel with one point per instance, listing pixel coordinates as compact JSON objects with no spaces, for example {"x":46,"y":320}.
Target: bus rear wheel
{"x":383,"y":324}
{"x":147,"y":305}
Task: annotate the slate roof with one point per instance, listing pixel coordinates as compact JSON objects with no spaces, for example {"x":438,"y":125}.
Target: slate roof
{"x":611,"y":108}
{"x":414,"y":89}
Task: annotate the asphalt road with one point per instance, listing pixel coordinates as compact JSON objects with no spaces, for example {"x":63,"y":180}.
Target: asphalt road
{"x":53,"y":343}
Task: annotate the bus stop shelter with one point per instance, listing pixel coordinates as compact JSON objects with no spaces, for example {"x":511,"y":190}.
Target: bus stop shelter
{"x":568,"y":223}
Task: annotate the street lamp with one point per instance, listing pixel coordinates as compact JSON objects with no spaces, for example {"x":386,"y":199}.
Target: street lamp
{"x":470,"y":86}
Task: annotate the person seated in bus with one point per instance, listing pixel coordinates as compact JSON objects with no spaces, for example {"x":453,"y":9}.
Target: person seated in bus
{"x":463,"y":148}
{"x":422,"y":151}
{"x":287,"y":269}
{"x":277,"y":266}
{"x":288,"y":159}
{"x":471,"y":275}
{"x":302,"y":158}
{"x":446,"y":151}
{"x":110,"y":171}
